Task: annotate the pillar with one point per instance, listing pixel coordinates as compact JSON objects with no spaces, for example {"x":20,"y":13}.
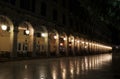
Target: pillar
{"x":34,"y":45}
{"x":57,"y":44}
{"x":14,"y":48}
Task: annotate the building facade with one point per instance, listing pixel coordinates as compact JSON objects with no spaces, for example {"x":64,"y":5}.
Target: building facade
{"x":43,"y":28}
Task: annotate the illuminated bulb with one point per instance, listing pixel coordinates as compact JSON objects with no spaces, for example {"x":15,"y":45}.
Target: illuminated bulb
{"x":69,"y":44}
{"x":55,"y":37}
{"x":42,"y":78}
{"x":43,"y":34}
{"x":61,"y":44}
{"x":27,"y":32}
{"x":85,"y":46}
{"x":25,"y":66}
{"x":72,"y":40}
{"x":83,"y":42}
{"x":4,"y":27}
{"x":78,"y":41}
{"x":64,"y":38}
{"x":86,"y":42}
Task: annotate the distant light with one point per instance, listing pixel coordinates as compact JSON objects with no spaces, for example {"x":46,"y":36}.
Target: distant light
{"x":86,"y":42}
{"x":82,"y":42}
{"x":61,"y":44}
{"x":70,"y":44}
{"x":78,"y":41}
{"x":85,"y":46}
{"x":43,"y":34}
{"x":64,"y":38}
{"x":116,"y":47}
{"x":42,"y":78}
{"x":4,"y":27}
{"x":72,"y":40}
{"x":55,"y":37}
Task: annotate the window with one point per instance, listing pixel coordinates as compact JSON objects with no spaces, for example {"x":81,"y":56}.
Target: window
{"x":71,"y":22}
{"x":12,"y":2}
{"x":43,"y":8}
{"x":55,"y":1}
{"x":25,"y":47}
{"x":25,"y":4}
{"x":64,"y":3}
{"x":55,"y":14}
{"x":33,"y":5}
{"x":6,"y":1}
{"x":38,"y":35}
{"x":64,"y":19}
{"x":42,"y":47}
{"x":19,"y":46}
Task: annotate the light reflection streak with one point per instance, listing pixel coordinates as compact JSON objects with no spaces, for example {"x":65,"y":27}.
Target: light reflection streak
{"x":42,"y":72}
{"x":72,"y":69}
{"x":54,"y":70}
{"x":63,"y":68}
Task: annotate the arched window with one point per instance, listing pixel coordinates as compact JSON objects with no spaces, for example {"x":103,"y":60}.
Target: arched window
{"x":43,"y":8}
{"x":25,"y":4}
{"x":71,"y":21}
{"x":55,"y":15}
{"x":33,"y":5}
{"x":64,"y":3}
{"x":64,"y":19}
{"x":10,"y":1}
{"x":55,"y":1}
{"x":6,"y":1}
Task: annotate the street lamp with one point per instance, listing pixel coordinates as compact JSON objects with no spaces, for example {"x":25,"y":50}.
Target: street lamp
{"x":4,"y":27}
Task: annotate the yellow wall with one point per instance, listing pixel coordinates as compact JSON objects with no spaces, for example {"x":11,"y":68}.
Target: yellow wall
{"x":5,"y":41}
{"x":41,"y":43}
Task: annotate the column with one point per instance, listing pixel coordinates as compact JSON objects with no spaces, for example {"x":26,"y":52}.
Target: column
{"x":34,"y":45}
{"x":14,"y":48}
{"x":57,"y":44}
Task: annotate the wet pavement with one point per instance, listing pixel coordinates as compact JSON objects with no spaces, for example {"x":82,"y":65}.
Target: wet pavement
{"x":84,"y":67}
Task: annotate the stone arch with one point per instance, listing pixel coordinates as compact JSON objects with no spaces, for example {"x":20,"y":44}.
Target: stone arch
{"x":71,"y":44}
{"x":63,"y":43}
{"x":6,"y":35}
{"x":40,"y":40}
{"x":77,"y":45}
{"x":53,"y":41}
{"x":25,"y":39}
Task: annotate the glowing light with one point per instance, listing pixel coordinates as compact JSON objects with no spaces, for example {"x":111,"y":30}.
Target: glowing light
{"x":78,"y":41}
{"x":43,"y":35}
{"x":82,"y":42}
{"x":4,"y":27}
{"x":86,"y":42}
{"x":26,"y":67}
{"x":85,"y":46}
{"x":70,"y":45}
{"x":27,"y":32}
{"x":64,"y":39}
{"x":72,"y":40}
{"x":61,"y":44}
{"x":55,"y":37}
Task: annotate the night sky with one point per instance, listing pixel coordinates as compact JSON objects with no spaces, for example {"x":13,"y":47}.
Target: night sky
{"x":108,"y":11}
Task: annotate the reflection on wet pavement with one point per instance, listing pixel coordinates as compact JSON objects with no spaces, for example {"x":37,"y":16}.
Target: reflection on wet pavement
{"x":83,"y":67}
